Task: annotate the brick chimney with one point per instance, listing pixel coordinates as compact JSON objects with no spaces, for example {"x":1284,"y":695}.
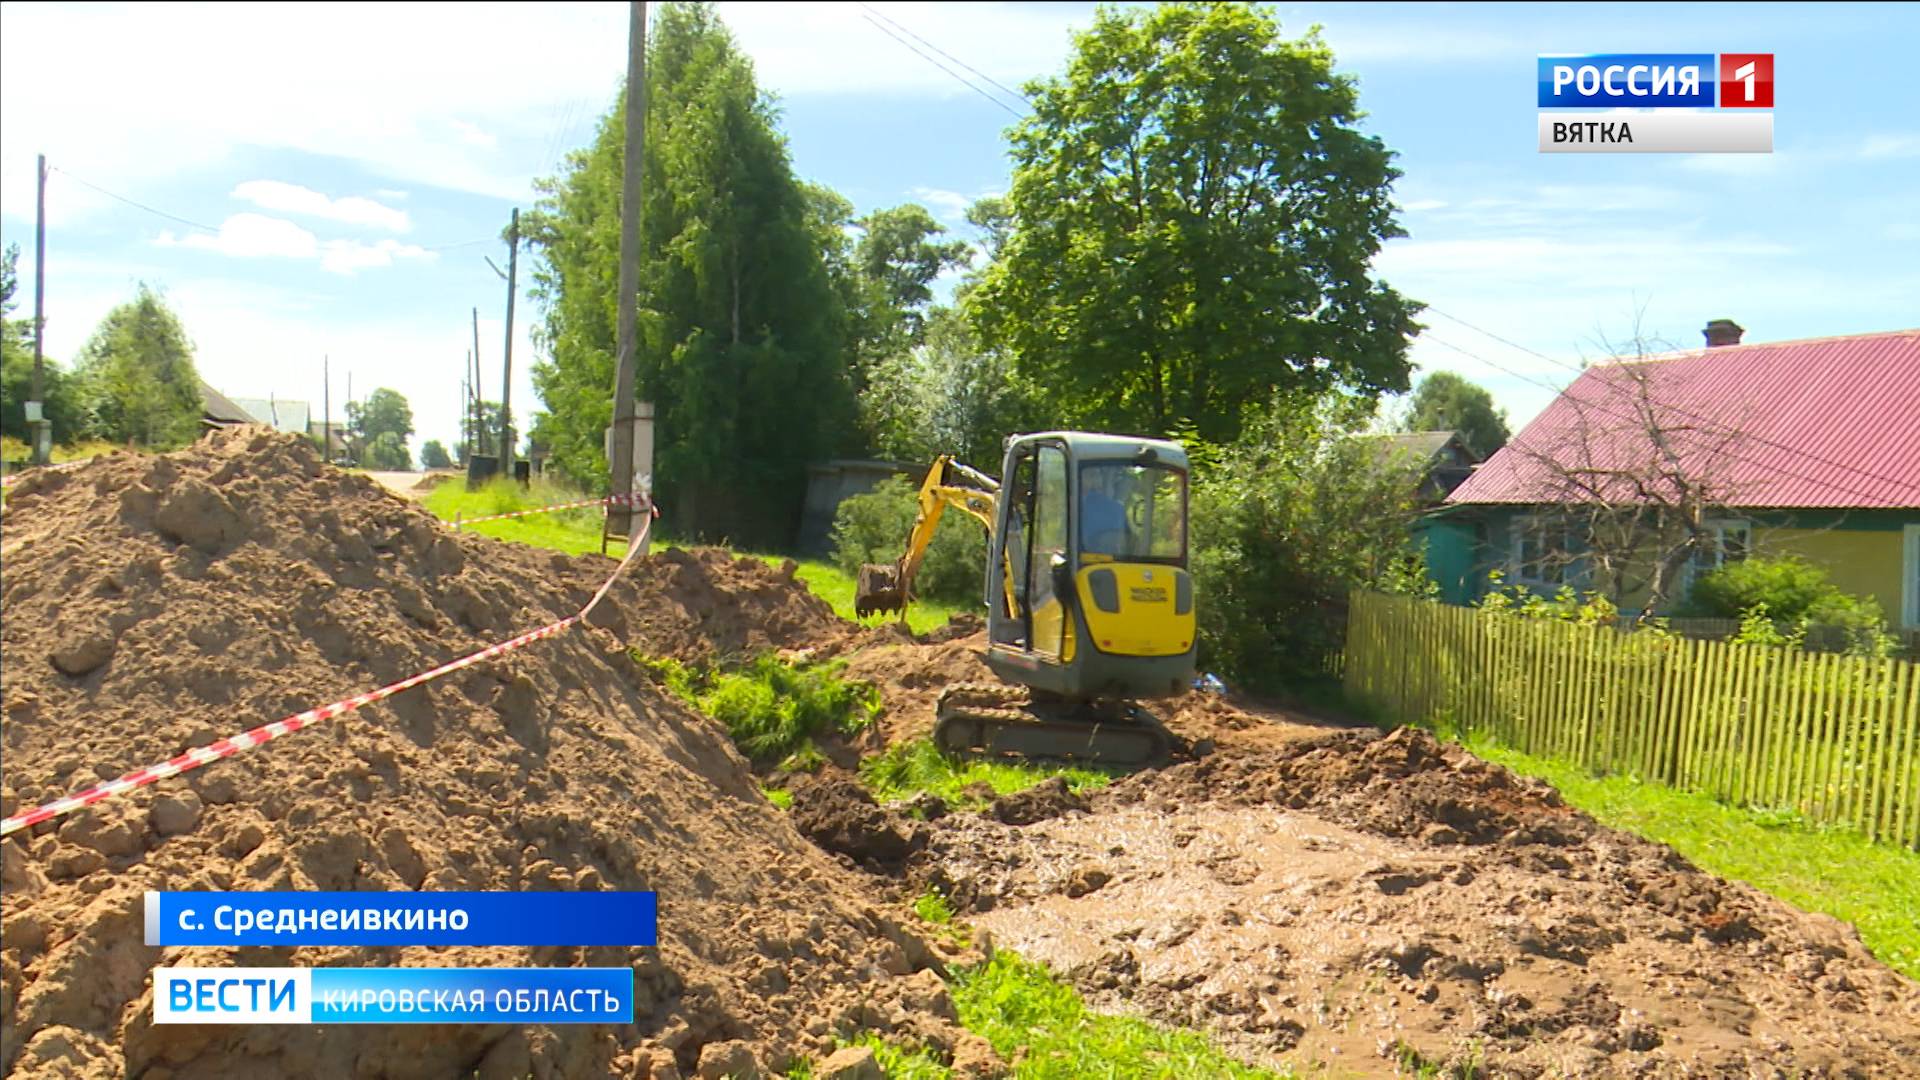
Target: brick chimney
{"x":1723,"y":332}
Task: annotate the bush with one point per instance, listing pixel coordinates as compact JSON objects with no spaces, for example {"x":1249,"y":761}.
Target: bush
{"x":873,"y":528}
{"x":1796,"y":597}
{"x":1286,"y":523}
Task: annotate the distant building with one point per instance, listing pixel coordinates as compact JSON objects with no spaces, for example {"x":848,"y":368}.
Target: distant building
{"x":1443,"y":460}
{"x":292,"y":417}
{"x":280,"y":414}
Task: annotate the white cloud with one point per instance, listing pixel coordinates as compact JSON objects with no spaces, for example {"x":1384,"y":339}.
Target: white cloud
{"x":294,"y":199}
{"x":256,"y":236}
{"x":391,"y":194}
{"x":250,"y":236}
{"x":1901,"y":145}
{"x":347,"y":256}
{"x":472,"y":135}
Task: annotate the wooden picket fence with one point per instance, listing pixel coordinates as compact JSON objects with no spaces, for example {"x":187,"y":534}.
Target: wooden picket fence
{"x":1834,"y":737}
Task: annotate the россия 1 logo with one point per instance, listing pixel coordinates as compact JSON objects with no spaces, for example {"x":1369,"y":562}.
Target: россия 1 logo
{"x":1688,"y":103}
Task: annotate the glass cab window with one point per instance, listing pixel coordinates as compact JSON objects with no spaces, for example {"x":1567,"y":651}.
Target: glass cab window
{"x":1132,"y":513}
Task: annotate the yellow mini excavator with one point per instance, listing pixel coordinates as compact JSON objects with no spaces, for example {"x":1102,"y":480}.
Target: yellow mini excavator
{"x":1089,"y":603}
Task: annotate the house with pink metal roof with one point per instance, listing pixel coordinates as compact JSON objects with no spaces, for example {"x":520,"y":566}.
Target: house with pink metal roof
{"x":1808,"y":448}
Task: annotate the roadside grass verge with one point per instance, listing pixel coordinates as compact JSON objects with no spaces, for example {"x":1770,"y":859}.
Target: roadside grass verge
{"x":907,"y":769}
{"x":574,"y":532}
{"x":1874,"y":887}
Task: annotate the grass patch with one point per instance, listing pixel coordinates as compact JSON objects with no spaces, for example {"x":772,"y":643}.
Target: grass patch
{"x":932,"y":907}
{"x":1875,"y":887}
{"x":1017,"y":1006}
{"x":772,"y":709}
{"x":574,"y":532}
{"x":907,"y":769}
{"x":1014,"y":1004}
{"x":836,"y":587}
{"x":779,"y":797}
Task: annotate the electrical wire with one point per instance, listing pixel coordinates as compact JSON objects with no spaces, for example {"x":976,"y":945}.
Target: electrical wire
{"x":1566,"y":394}
{"x":130,"y":202}
{"x":990,"y":79}
{"x":878,"y":25}
{"x":1678,"y":410}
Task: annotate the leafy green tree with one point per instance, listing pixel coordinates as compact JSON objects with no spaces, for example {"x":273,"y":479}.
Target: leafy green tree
{"x":1286,"y":522}
{"x":952,"y":395}
{"x":1445,"y":401}
{"x":899,"y":254}
{"x":742,"y":337}
{"x":1196,"y":210}
{"x":383,"y":412}
{"x":61,"y":396}
{"x":993,"y":217}
{"x":137,"y":376}
{"x":388,"y":452}
{"x":434,"y":456}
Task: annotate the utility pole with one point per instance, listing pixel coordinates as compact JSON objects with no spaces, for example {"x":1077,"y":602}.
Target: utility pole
{"x":506,"y":364}
{"x":479,"y":412}
{"x":42,"y":426}
{"x":621,"y":457}
{"x":326,"y":410}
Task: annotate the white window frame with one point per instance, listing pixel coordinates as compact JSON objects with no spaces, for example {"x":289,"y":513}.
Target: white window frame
{"x":1516,"y":563}
{"x":1910,"y":578}
{"x":1718,"y":527}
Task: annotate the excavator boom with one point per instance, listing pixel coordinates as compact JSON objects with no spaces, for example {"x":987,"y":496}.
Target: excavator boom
{"x":881,"y":587}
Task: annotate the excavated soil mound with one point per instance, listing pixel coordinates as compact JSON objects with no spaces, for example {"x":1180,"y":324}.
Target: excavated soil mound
{"x":156,"y":603}
{"x":1367,"y":903}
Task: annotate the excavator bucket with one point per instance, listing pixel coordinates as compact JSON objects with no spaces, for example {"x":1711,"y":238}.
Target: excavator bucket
{"x":878,"y":589}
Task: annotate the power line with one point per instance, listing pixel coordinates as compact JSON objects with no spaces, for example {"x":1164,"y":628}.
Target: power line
{"x":130,"y":202}
{"x":1567,"y":394}
{"x":1010,"y":110}
{"x":990,"y":79}
{"x":1796,"y":451}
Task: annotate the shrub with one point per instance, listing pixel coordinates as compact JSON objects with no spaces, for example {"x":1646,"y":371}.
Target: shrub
{"x":1286,"y":522}
{"x":1796,"y":597}
{"x":873,"y":528}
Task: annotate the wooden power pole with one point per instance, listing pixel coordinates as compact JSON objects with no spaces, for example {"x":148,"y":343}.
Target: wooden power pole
{"x":477,"y":409}
{"x":326,"y":410}
{"x":506,"y":364}
{"x":42,"y":435}
{"x":621,"y":457}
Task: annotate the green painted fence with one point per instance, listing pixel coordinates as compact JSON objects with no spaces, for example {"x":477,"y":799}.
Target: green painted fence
{"x":1835,"y":737}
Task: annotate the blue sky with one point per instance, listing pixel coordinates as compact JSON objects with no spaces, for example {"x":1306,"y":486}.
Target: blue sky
{"x":347,"y":167}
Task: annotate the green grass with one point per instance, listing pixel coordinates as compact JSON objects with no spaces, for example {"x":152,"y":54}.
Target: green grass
{"x":773,"y":709}
{"x":574,"y":532}
{"x":779,"y":797}
{"x":1875,"y":887}
{"x":1015,"y":1004}
{"x":932,"y":906}
{"x":836,"y":587}
{"x":907,"y":769}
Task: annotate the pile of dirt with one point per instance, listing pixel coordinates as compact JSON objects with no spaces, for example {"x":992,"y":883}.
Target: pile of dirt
{"x":157,"y":603}
{"x":1369,"y":903}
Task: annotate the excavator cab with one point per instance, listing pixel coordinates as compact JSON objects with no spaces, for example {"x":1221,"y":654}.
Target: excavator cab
{"x":1087,"y":567}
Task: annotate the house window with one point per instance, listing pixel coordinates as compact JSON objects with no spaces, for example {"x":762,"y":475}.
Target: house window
{"x":1728,"y":540}
{"x":1542,"y":549}
{"x":1910,"y":578}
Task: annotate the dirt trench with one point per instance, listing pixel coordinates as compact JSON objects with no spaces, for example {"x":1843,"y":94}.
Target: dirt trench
{"x":1340,"y":902}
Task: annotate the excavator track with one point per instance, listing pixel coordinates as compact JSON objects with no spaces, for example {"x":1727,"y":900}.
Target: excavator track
{"x":988,"y":720}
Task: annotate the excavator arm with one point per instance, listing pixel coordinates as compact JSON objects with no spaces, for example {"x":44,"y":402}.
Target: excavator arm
{"x":883,"y":587}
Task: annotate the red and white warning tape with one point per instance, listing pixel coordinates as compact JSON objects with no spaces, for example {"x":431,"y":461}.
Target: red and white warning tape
{"x":608,"y":500}
{"x":225,"y":748}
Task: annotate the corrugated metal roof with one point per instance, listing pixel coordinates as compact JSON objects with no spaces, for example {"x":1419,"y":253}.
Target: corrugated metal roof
{"x":1827,"y":422}
{"x":1421,"y":446}
{"x":221,"y":410}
